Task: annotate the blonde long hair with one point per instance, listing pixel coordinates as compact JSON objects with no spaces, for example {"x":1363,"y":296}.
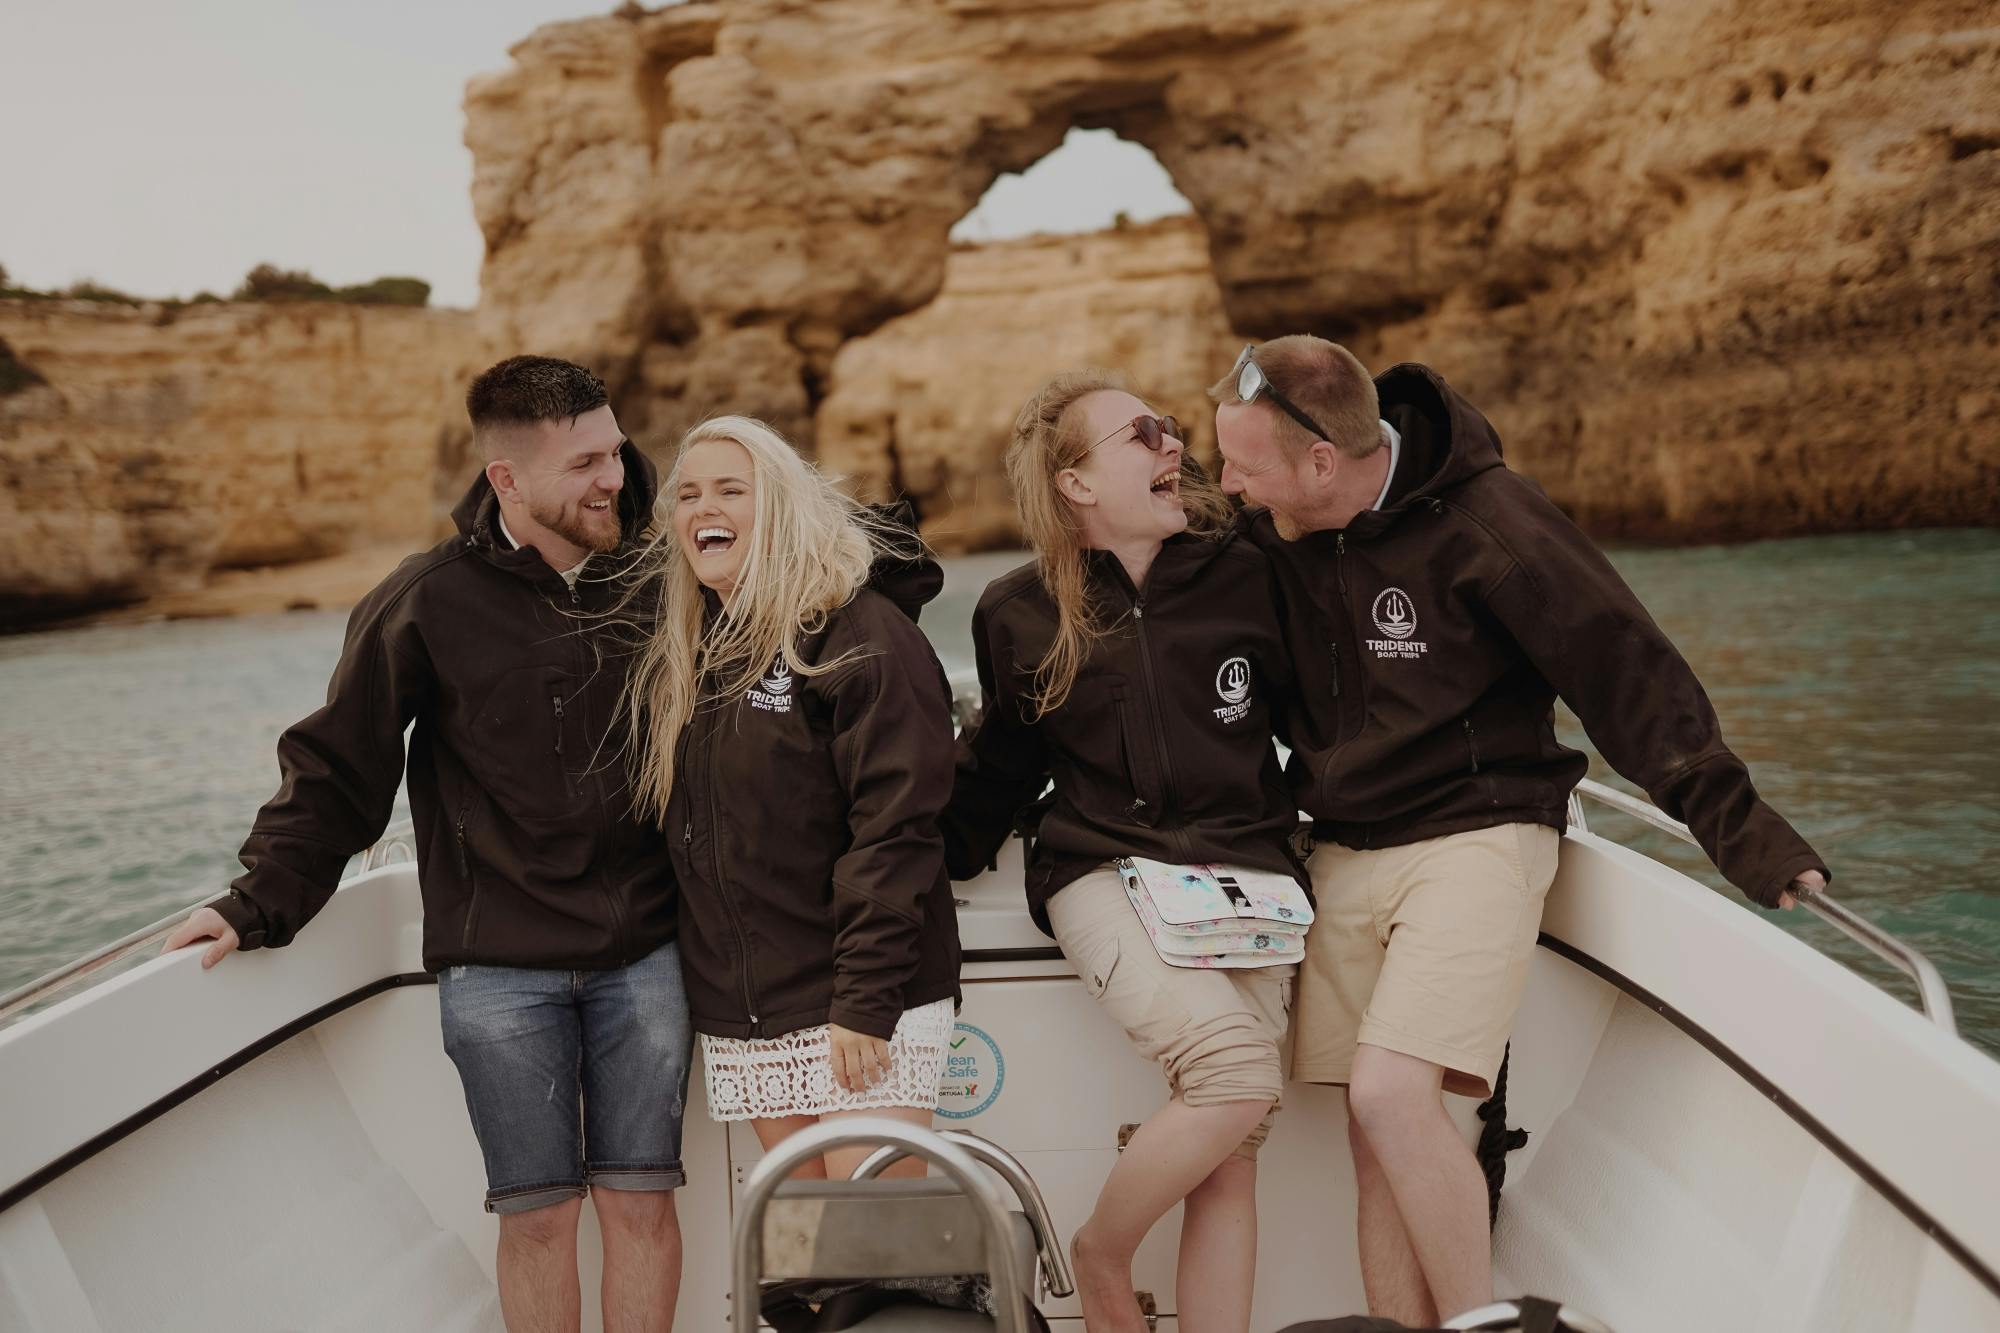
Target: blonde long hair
{"x":810,"y":551}
{"x":1048,"y":438}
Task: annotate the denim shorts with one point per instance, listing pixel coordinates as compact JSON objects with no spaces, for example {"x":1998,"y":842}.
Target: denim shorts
{"x":573,"y":1078}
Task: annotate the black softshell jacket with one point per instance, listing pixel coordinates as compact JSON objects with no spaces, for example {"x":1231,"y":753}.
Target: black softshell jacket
{"x":1432,"y":637}
{"x":1163,"y":748}
{"x":804,"y":831}
{"x":527,"y":853}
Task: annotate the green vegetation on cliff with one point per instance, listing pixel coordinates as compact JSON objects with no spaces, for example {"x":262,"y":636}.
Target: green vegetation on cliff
{"x":266,"y":282}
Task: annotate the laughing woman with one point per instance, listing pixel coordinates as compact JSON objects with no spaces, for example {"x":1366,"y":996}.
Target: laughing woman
{"x":1136,"y":663}
{"x":793,"y":735}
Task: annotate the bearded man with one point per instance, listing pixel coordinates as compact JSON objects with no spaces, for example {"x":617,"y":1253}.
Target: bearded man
{"x":549,"y":911}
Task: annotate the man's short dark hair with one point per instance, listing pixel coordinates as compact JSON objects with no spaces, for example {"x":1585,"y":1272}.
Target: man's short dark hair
{"x":523,"y":390}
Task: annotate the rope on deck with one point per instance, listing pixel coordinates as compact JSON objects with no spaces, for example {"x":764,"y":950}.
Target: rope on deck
{"x":1496,"y":1140}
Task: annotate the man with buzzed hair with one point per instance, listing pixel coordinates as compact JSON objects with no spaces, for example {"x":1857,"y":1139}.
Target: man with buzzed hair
{"x":1436,"y":604}
{"x":549,"y":912}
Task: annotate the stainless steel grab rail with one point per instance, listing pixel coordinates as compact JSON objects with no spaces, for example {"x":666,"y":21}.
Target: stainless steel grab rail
{"x":747,"y":1242}
{"x":1056,"y":1278}
{"x":398,"y":837}
{"x":69,"y":975}
{"x":1931,"y":990}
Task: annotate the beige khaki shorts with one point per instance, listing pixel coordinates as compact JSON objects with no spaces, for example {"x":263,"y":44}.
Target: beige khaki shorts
{"x":1423,"y":950}
{"x":1219,"y":1034}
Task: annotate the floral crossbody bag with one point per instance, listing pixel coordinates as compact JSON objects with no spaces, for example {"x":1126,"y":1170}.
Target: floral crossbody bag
{"x":1218,"y":916}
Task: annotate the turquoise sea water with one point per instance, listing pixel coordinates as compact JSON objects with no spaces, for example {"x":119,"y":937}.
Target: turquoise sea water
{"x":1856,"y":675}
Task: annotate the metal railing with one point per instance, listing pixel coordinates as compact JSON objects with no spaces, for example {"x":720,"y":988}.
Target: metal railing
{"x":100,"y":964}
{"x":952,"y":1161}
{"x":1054,"y":1261}
{"x":401,"y":837}
{"x":1931,"y":990}
{"x":89,"y":969}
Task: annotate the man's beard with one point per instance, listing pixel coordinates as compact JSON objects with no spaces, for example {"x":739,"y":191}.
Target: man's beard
{"x":1289,"y":528}
{"x":576,"y":526}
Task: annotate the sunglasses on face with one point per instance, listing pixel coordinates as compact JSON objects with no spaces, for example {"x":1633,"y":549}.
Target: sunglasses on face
{"x":1153,"y":432}
{"x":1251,"y":384}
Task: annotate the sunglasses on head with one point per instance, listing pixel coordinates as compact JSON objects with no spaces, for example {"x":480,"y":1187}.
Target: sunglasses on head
{"x":1153,"y":432}
{"x":1251,"y":384}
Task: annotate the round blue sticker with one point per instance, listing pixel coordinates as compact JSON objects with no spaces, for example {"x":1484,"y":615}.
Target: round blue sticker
{"x":973,"y":1073}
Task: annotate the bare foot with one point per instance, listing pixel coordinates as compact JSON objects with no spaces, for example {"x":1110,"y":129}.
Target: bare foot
{"x":1104,"y":1286}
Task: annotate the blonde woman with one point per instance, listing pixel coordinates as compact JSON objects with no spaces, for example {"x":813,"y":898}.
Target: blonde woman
{"x":794,"y":738}
{"x":1137,"y":663}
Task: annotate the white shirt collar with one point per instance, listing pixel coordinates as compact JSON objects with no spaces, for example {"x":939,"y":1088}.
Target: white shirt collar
{"x":1395,"y":451}
{"x":569,"y":575}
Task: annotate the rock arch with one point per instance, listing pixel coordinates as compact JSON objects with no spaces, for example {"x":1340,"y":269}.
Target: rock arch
{"x":1652,"y":239}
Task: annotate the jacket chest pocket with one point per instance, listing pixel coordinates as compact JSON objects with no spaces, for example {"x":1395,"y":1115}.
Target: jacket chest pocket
{"x":1111,"y":738}
{"x":533,"y":744}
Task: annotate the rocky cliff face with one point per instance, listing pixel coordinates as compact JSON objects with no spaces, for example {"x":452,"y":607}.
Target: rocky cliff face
{"x":922,"y":407}
{"x":142,"y":449}
{"x":1716,"y":268}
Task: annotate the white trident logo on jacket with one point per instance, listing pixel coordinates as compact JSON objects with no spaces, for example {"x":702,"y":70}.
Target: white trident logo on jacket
{"x":1394,"y":615}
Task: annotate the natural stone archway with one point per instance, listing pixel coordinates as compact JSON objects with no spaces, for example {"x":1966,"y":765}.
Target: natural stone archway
{"x":1698,"y":260}
{"x":922,"y":406}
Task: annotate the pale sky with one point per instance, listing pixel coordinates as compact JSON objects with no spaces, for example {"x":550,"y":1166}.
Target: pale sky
{"x":164,"y":147}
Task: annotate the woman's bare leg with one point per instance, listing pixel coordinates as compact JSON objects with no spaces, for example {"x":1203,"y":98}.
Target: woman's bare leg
{"x":840,"y":1163}
{"x":1218,"y":1259}
{"x":1177,"y":1149}
{"x":775,"y":1130}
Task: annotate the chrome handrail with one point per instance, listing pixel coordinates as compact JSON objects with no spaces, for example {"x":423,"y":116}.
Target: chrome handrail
{"x":69,"y":975}
{"x":747,"y":1243}
{"x":1931,"y":990}
{"x":1056,"y":1278}
{"x":47,"y":985}
{"x":397,"y":837}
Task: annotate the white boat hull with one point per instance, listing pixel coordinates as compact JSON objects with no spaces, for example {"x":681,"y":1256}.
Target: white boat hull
{"x":1728,"y":1131}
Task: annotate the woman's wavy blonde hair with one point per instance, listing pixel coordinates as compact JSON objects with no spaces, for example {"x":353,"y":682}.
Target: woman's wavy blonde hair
{"x":810,"y":551}
{"x":1047,"y":440}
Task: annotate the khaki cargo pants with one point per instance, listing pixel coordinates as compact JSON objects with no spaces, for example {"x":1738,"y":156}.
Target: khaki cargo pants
{"x":1219,"y":1034}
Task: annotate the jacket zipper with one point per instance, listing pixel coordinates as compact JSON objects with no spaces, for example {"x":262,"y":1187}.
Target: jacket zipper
{"x":569,"y":788}
{"x":1471,"y":743}
{"x":1125,"y":758}
{"x":721,"y":882}
{"x":472,"y":885}
{"x":619,"y":931}
{"x":1346,"y":619}
{"x":1340,"y":577}
{"x":1183,"y":850}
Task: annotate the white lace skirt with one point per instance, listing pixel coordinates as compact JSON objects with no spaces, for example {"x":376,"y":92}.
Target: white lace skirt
{"x":756,"y":1078}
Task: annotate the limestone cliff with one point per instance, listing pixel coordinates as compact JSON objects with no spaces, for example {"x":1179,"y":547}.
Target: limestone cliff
{"x":1716,"y":268}
{"x":922,"y":406}
{"x":141,"y":449}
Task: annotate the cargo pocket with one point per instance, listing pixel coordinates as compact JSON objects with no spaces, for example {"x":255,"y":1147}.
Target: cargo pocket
{"x":1098,"y":967}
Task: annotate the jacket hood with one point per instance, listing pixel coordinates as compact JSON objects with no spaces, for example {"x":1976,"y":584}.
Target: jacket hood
{"x":1446,"y":440}
{"x":476,"y":513}
{"x":907,"y":576}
